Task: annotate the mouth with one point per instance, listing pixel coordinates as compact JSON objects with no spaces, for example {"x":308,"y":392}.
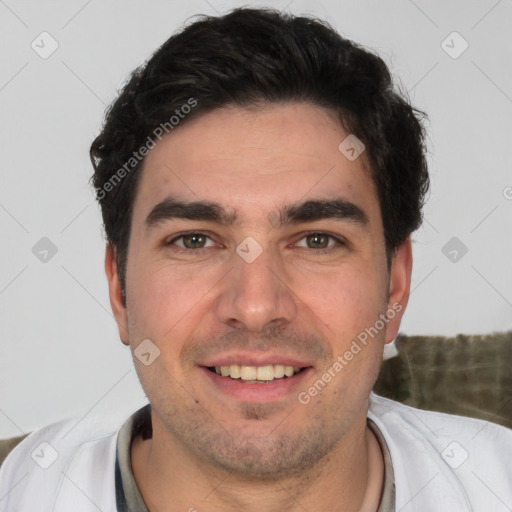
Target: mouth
{"x":256,"y":374}
{"x":257,"y":384}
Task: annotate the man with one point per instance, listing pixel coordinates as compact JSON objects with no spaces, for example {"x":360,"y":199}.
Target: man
{"x":259,"y":180}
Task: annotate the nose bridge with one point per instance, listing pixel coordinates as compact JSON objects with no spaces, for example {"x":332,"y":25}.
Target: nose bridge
{"x":255,"y":293}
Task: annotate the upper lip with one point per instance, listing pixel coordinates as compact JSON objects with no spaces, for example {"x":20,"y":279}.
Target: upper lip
{"x":255,"y":359}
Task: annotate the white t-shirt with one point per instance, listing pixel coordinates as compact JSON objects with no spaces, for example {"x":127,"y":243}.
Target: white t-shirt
{"x":440,"y":462}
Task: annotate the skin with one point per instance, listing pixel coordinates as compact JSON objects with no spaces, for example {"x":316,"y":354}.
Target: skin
{"x":213,"y":451}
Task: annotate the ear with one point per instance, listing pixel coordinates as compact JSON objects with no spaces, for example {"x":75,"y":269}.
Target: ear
{"x":399,"y":287}
{"x":115,"y":294}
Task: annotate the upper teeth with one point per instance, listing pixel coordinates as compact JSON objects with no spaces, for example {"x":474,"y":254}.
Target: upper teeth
{"x":268,"y":372}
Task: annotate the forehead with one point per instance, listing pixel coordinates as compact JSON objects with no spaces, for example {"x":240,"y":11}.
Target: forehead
{"x":251,"y":160}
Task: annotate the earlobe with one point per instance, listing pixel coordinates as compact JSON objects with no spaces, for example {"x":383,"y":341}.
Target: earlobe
{"x":399,"y":287}
{"x":115,"y":294}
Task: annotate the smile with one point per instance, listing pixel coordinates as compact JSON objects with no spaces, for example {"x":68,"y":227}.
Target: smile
{"x":256,"y":374}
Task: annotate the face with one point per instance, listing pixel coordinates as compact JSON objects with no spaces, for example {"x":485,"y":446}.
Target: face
{"x":278,"y":281}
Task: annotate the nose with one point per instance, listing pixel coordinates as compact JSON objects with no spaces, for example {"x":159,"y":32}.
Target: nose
{"x":256,"y":295}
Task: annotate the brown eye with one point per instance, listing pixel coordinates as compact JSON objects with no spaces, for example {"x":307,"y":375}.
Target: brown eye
{"x":319,"y":241}
{"x":191,"y":241}
{"x":194,"y":241}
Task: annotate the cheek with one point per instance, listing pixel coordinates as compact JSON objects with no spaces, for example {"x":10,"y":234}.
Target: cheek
{"x":347,"y":299}
{"x":159,"y":305}
{"x":163,"y":299}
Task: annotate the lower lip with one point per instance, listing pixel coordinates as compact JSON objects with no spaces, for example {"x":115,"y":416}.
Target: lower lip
{"x":264,"y":392}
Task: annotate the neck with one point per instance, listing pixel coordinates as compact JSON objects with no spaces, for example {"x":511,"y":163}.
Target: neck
{"x":349,"y":479}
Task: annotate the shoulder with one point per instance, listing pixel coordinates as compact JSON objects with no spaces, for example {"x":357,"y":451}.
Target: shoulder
{"x":466,"y":461}
{"x":61,"y":436}
{"x":436,"y":424}
{"x":7,"y":445}
{"x":68,"y":451}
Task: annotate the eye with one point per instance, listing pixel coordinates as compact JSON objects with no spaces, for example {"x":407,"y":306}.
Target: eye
{"x":192,"y":241}
{"x":195,"y":241}
{"x":320,"y":242}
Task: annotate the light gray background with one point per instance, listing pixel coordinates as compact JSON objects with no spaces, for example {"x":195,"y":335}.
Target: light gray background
{"x":60,"y":353}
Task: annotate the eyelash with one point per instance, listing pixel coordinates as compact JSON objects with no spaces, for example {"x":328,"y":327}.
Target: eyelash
{"x":326,"y":250}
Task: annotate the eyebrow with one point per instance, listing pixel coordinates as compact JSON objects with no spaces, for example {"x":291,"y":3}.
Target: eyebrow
{"x":295,"y":213}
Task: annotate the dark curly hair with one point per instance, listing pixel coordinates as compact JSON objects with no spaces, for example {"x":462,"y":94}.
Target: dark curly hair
{"x":245,"y":58}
